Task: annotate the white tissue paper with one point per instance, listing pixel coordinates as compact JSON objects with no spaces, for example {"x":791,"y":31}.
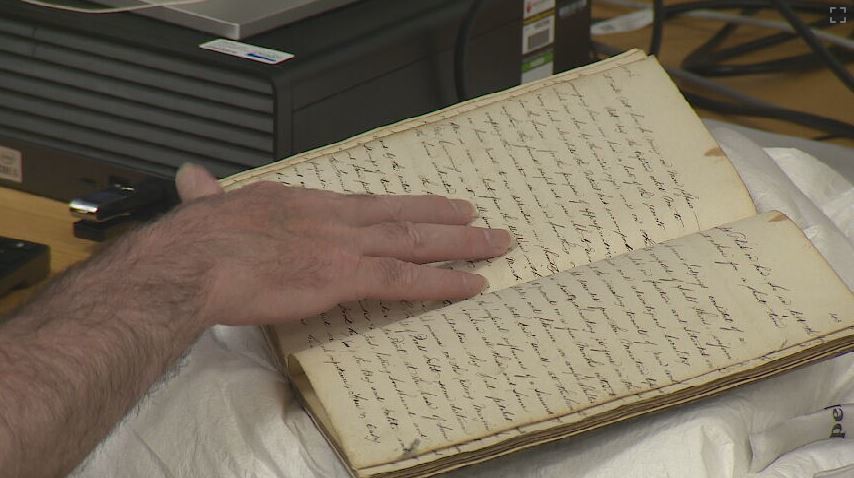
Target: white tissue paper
{"x":227,"y":412}
{"x":836,"y":421}
{"x":829,"y":190}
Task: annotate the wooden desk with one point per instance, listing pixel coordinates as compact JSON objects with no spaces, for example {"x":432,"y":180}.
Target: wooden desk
{"x":38,"y":219}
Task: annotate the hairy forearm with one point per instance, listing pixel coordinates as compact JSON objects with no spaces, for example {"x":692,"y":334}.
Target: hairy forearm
{"x":75,"y":360}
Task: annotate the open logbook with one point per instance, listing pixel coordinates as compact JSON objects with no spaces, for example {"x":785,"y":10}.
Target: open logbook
{"x":642,"y":277}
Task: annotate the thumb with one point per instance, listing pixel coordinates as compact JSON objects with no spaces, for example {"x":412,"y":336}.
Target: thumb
{"x":194,"y":181}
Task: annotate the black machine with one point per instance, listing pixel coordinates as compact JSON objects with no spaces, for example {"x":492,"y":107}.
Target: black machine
{"x":22,"y":263}
{"x":89,"y":102}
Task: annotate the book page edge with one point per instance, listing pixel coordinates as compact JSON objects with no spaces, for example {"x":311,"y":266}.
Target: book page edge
{"x":315,"y":410}
{"x":770,"y":369}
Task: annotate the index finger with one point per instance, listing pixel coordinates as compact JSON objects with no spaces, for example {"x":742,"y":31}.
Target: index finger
{"x":365,"y":210}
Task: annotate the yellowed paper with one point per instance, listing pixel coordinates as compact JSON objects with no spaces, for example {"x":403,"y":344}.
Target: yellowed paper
{"x":579,"y":169}
{"x":563,"y":348}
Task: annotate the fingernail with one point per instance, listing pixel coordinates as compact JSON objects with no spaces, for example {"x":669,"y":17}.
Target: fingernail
{"x":185,"y":181}
{"x":185,"y":174}
{"x":485,"y":286}
{"x":194,"y":181}
{"x":464,"y":208}
{"x":513,"y":243}
{"x":498,"y":238}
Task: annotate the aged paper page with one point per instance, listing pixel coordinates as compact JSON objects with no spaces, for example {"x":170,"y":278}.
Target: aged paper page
{"x":578,"y":168}
{"x":563,"y":348}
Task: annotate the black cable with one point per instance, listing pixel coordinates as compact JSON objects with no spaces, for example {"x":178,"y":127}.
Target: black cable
{"x":461,"y":50}
{"x":706,"y":61}
{"x":703,"y":61}
{"x":700,"y":54}
{"x":807,"y":61}
{"x":761,"y":43}
{"x":741,"y":104}
{"x":832,"y":127}
{"x":809,"y":37}
{"x":699,"y":57}
{"x":658,"y":17}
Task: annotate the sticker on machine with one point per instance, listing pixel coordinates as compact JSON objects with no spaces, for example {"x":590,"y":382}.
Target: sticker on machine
{"x":536,"y":7}
{"x":10,"y":165}
{"x":539,"y":33}
{"x":247,"y":51}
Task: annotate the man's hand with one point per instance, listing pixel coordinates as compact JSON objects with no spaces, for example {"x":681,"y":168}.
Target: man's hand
{"x":79,"y":356}
{"x":270,"y":253}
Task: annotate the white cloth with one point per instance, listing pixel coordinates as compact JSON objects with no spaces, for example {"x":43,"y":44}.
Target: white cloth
{"x":226,"y":412}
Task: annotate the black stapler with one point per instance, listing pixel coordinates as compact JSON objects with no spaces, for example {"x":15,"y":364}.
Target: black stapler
{"x":22,"y":263}
{"x":106,"y":213}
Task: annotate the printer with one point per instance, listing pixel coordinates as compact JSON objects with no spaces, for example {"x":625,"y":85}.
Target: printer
{"x":93,"y":101}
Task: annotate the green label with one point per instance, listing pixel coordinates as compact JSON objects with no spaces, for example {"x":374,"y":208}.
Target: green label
{"x":537,"y":60}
